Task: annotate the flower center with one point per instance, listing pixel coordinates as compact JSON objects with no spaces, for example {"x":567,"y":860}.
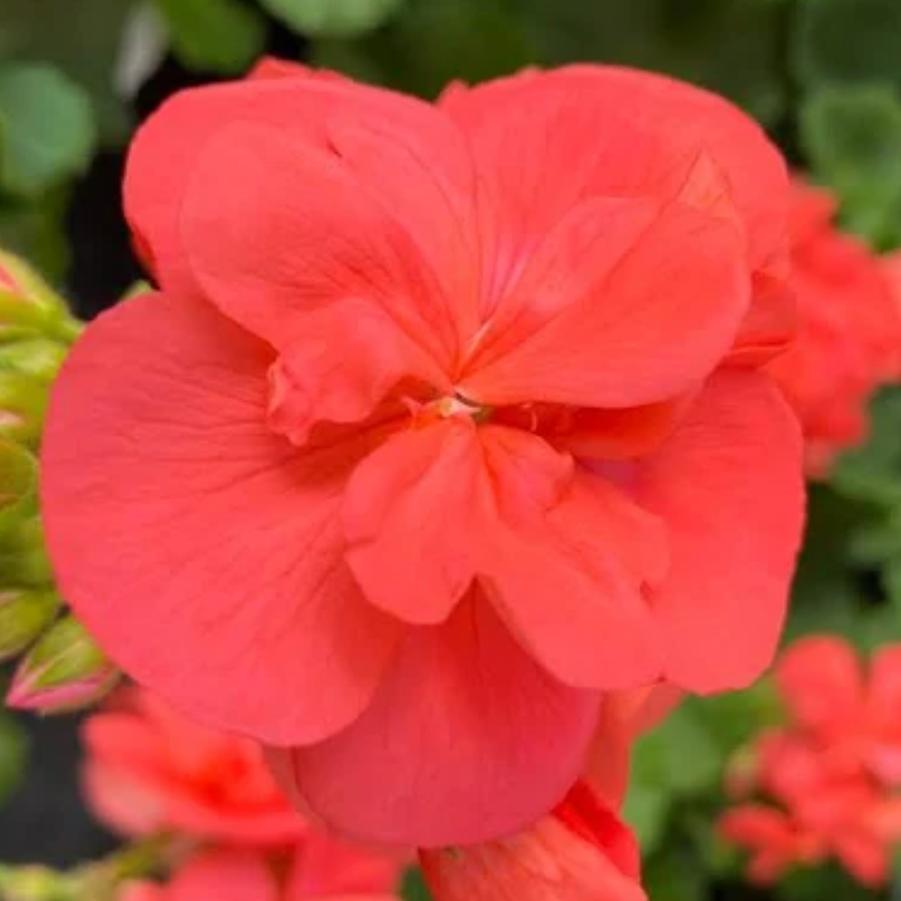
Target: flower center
{"x":458,"y":405}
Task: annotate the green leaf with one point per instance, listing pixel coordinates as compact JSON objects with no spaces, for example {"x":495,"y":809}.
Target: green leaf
{"x":731,"y":46}
{"x":332,"y":17}
{"x":219,"y":35}
{"x":431,"y":42}
{"x":872,"y":472}
{"x":13,"y":753}
{"x":842,"y":41}
{"x":34,"y":228}
{"x":680,"y":756}
{"x":46,"y":128}
{"x":414,"y":887}
{"x":852,"y":136}
{"x":675,"y":874}
{"x":86,"y":46}
{"x":646,"y":810}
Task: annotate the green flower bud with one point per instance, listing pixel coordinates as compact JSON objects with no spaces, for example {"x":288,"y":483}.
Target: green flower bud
{"x":39,"y":358}
{"x":23,"y":400}
{"x":24,"y":615}
{"x":29,"y":306}
{"x":18,"y":485}
{"x":64,"y":671}
{"x":34,"y":883}
{"x":23,"y":557}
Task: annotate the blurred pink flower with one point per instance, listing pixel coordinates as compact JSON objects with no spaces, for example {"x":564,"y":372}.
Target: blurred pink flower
{"x":827,"y":783}
{"x":148,"y":769}
{"x":849,"y":330}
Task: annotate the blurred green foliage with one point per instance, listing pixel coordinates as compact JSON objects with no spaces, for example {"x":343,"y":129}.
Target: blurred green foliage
{"x":13,"y":750}
{"x":823,"y":76}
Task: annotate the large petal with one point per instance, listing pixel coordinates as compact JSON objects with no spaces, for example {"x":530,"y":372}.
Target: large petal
{"x":567,"y":569}
{"x":297,"y":232}
{"x":467,"y":739}
{"x":583,"y":852}
{"x":544,"y":139}
{"x":641,"y":325}
{"x":202,"y":550}
{"x":728,"y":485}
{"x":395,"y":149}
{"x":344,"y":361}
{"x":564,"y":559}
{"x":409,"y":518}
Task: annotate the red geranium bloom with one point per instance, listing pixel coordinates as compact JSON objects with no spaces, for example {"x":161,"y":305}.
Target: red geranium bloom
{"x":581,"y":852}
{"x":443,"y":422}
{"x":849,"y":335}
{"x":148,"y":770}
{"x":833,"y":771}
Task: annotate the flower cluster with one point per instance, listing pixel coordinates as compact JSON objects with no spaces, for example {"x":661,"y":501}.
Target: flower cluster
{"x":828,"y":784}
{"x":445,"y":422}
{"x":849,"y":330}
{"x":63,"y":667}
{"x":150,"y":772}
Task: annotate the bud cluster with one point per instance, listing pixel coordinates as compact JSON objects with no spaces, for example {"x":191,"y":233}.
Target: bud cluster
{"x":62,"y":668}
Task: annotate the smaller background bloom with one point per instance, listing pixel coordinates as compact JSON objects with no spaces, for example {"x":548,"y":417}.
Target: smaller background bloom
{"x":150,"y":771}
{"x":849,"y":330}
{"x":825,"y":784}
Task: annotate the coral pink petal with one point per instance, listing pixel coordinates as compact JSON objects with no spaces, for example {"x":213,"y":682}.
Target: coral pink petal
{"x":597,"y":434}
{"x":466,"y":739}
{"x":409,"y":522}
{"x":770,"y":323}
{"x":530,"y":131}
{"x":735,"y":458}
{"x":580,"y":853}
{"x":567,"y":576}
{"x":625,"y":715}
{"x":399,"y":153}
{"x":123,"y":805}
{"x":884,"y":694}
{"x":660,"y":315}
{"x":303,"y":233}
{"x":327,"y":866}
{"x":159,"y":474}
{"x":345,"y":360}
{"x":821,"y":682}
{"x":227,"y":875}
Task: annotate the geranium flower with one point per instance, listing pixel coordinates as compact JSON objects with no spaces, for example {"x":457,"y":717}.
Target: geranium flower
{"x":581,"y":852}
{"x":826,"y":783}
{"x":849,"y":335}
{"x":148,"y":770}
{"x":444,"y":421}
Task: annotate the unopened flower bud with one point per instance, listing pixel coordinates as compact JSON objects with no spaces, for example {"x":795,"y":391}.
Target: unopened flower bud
{"x":39,"y":358}
{"x":34,"y":883}
{"x":18,"y":481}
{"x":24,"y":614}
{"x":23,"y":400}
{"x":23,"y":556}
{"x":28,"y":305}
{"x":64,"y":671}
